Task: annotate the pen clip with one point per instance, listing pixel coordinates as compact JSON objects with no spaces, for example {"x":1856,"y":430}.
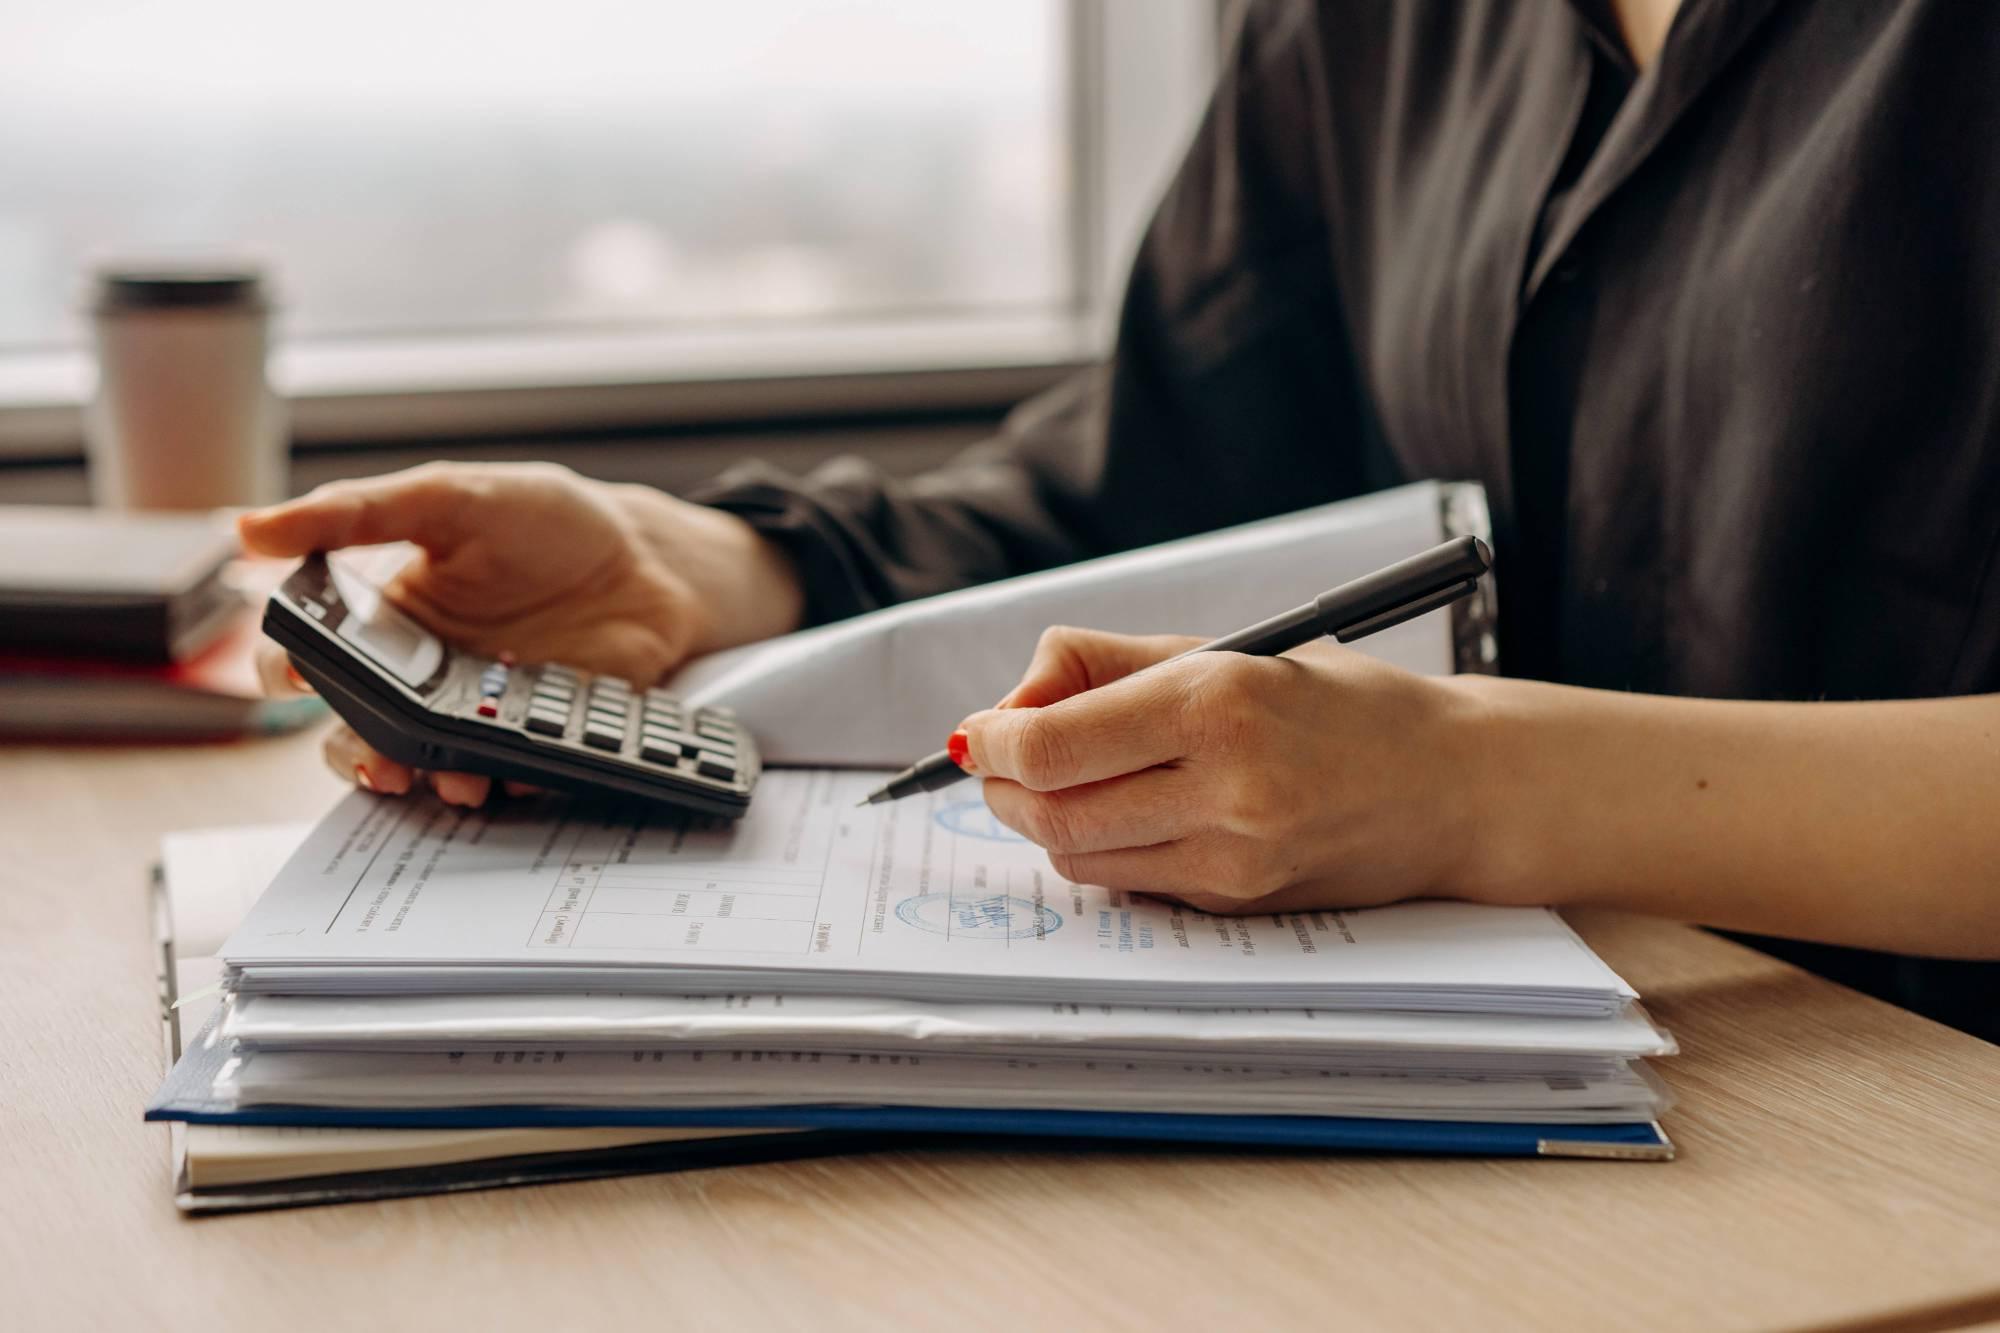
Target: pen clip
{"x":1396,"y":615}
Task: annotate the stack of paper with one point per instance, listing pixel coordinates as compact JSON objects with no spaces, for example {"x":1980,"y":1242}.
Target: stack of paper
{"x":820,"y":970}
{"x":558,"y":963}
{"x":206,"y":880}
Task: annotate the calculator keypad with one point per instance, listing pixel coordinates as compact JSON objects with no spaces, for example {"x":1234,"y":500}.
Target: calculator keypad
{"x":649,"y":728}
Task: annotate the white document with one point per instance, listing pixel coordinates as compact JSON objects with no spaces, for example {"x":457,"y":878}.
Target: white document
{"x":883,"y":689}
{"x":827,"y":1022}
{"x":211,"y":877}
{"x":681,"y":1080}
{"x":927,"y":898}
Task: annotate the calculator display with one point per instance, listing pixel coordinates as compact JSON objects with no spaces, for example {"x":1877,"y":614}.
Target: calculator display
{"x":398,"y":644}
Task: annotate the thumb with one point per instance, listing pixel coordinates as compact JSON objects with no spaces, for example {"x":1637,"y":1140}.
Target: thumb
{"x":422,"y":505}
{"x":1069,"y":661}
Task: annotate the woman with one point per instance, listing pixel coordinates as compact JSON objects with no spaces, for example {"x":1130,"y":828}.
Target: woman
{"x":1709,"y":300}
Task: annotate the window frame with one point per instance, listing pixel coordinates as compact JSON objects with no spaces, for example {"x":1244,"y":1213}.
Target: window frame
{"x":1136,"y":75}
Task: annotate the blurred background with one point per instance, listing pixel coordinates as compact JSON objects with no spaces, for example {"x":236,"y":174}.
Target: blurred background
{"x":640,"y":238}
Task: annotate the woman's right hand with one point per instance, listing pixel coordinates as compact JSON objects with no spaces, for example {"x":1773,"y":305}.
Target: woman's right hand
{"x":532,"y":560}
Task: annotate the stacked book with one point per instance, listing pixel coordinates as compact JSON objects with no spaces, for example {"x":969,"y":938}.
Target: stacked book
{"x":130,"y":626}
{"x":817,"y":977}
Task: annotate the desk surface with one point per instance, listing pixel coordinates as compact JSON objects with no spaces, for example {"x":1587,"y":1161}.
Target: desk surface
{"x":1839,"y":1166}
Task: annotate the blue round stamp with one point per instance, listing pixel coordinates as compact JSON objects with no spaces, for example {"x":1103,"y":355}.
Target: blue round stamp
{"x":994,"y":916}
{"x":974,"y":820}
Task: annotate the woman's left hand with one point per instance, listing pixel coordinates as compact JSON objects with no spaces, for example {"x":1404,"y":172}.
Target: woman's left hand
{"x":1323,"y":778}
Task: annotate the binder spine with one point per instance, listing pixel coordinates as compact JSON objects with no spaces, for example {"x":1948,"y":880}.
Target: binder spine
{"x":1474,"y":620}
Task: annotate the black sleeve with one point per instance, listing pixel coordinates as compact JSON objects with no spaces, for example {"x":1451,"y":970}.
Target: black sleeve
{"x":1232,"y":393}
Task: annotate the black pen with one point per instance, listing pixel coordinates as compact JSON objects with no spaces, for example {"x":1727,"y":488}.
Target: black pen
{"x":1403,"y":591}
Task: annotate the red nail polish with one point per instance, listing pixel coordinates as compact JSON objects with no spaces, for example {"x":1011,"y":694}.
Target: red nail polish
{"x":960,"y":749}
{"x":362,"y":780}
{"x":298,"y":682}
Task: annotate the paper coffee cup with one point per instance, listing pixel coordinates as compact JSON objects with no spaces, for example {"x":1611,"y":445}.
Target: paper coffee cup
{"x":184,"y":416}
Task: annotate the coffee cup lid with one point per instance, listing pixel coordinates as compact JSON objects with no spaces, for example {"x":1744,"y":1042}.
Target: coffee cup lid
{"x":157,"y":287}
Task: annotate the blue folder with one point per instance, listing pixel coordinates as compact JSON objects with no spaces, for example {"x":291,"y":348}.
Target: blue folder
{"x":187,"y":1095}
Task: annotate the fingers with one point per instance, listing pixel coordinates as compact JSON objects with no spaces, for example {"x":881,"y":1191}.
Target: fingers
{"x":1204,"y":871}
{"x":467,"y":789}
{"x":1167,"y":869}
{"x":356,"y":761}
{"x":276,"y":674}
{"x":1069,"y":661}
{"x":422,"y":505}
{"x":1127,"y":725}
{"x":1137,"y":810}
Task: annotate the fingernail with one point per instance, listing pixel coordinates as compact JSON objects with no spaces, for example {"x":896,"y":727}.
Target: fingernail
{"x":292,"y":674}
{"x":361,"y":778}
{"x":959,"y":747}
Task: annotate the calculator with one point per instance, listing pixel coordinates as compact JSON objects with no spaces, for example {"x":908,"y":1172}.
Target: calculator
{"x":423,"y":703}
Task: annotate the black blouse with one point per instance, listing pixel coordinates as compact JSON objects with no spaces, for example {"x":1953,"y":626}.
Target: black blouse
{"x":1721,"y":339}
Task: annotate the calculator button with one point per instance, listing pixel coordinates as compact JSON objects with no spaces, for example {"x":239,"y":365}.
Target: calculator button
{"x":603,"y":737}
{"x":655,"y":751}
{"x":718,"y":769}
{"x":489,"y":708}
{"x":547,"y":724}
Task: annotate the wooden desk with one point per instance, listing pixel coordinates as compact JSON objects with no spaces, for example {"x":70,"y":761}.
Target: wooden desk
{"x":1840,"y":1166}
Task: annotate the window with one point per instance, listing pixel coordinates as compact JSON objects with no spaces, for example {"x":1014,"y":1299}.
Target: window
{"x":438,"y":186}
